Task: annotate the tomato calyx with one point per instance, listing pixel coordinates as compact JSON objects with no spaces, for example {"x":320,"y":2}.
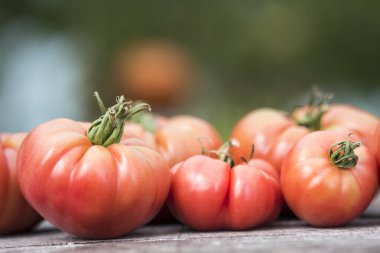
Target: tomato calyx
{"x":246,"y":160}
{"x":108,"y":128}
{"x":310,"y":115}
{"x":224,"y":152}
{"x":342,"y":153}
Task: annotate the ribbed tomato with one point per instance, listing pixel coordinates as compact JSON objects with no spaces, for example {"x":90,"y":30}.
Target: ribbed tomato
{"x":274,"y":132}
{"x":209,"y":194}
{"x":176,"y":138}
{"x":86,"y":183}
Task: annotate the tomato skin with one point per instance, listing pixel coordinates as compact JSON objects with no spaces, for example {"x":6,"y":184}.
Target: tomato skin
{"x":320,"y":193}
{"x":207,"y":194}
{"x":376,"y":144}
{"x":89,"y":190}
{"x":16,"y":215}
{"x":136,"y":134}
{"x":273,"y":133}
{"x":184,"y":136}
{"x":350,"y":119}
{"x":176,"y":138}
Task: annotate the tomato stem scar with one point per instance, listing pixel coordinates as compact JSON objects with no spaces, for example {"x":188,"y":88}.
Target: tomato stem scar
{"x":342,"y":153}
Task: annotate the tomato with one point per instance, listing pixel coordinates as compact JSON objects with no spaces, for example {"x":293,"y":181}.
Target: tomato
{"x":349,"y":119}
{"x":271,"y":132}
{"x":275,"y":132}
{"x":327,"y":181}
{"x":155,"y":71}
{"x":137,"y":134}
{"x":16,"y":215}
{"x":88,"y":184}
{"x":176,"y":138}
{"x":209,"y":194}
{"x":185,"y":136}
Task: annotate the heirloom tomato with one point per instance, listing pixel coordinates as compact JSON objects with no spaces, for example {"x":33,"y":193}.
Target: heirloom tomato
{"x":328,"y":181}
{"x":274,"y":132}
{"x":185,"y":136}
{"x":87,"y":183}
{"x":213,"y":194}
{"x":16,"y":215}
{"x":176,"y":138}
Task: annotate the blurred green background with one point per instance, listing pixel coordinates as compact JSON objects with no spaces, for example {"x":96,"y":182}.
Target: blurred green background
{"x":237,"y":55}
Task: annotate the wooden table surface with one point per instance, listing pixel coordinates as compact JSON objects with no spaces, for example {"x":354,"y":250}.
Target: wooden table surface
{"x":362,"y":235}
{"x":285,"y":235}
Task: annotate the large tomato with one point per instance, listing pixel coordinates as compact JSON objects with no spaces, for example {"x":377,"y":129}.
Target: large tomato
{"x":207,"y":194}
{"x":88,"y":184}
{"x":274,"y":132}
{"x":327,"y":180}
{"x":16,"y":215}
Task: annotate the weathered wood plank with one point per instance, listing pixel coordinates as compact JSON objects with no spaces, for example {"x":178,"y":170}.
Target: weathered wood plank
{"x":282,"y":236}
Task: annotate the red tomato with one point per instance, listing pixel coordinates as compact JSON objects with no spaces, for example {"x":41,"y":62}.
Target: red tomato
{"x":274,"y":132}
{"x":271,"y":132}
{"x":176,"y":138}
{"x":350,"y":119}
{"x":16,"y":215}
{"x":89,"y":184}
{"x":324,"y":188}
{"x":136,"y":133}
{"x":185,"y":136}
{"x":207,"y":194}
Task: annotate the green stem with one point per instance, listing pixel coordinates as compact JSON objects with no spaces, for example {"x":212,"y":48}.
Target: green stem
{"x":250,"y":155}
{"x":147,"y":120}
{"x":224,"y":154}
{"x":108,"y":128}
{"x":315,"y":109}
{"x":342,"y":154}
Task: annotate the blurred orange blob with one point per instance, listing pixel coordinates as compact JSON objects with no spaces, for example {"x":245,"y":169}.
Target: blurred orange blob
{"x":155,"y":72}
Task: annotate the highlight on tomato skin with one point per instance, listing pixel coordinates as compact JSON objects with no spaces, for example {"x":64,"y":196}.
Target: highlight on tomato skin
{"x":207,"y":194}
{"x":176,"y":138}
{"x":376,"y":144}
{"x":16,"y":215}
{"x":184,"y":136}
{"x":328,"y":178}
{"x":85,"y":182}
{"x":274,"y":132}
{"x":270,"y":131}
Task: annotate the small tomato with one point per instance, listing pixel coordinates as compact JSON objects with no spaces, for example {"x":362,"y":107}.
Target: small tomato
{"x":209,"y":194}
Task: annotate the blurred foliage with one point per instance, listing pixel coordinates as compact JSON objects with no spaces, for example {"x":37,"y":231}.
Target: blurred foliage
{"x":249,"y":53}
